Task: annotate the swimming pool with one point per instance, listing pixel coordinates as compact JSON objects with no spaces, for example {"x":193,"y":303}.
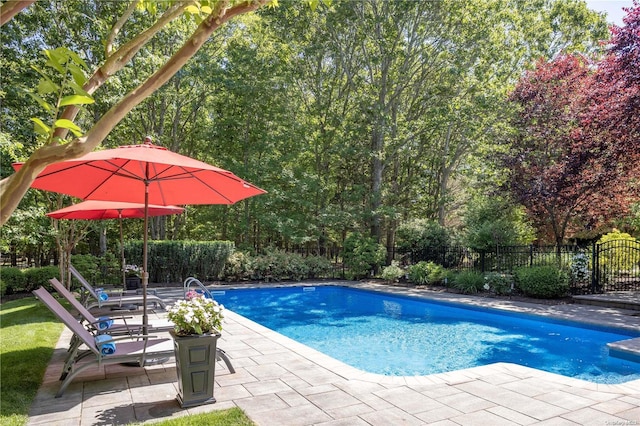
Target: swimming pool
{"x":403,"y":336}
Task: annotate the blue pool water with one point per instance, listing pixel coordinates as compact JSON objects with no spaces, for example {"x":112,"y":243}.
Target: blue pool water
{"x":402,"y":336}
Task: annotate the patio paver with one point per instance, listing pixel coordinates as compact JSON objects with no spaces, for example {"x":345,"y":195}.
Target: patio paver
{"x":281,"y":382}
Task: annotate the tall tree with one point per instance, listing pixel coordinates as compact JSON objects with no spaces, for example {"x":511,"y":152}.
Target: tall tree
{"x":563,"y":169}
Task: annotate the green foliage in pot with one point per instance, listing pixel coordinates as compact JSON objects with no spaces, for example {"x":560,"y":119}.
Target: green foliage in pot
{"x":196,"y":315}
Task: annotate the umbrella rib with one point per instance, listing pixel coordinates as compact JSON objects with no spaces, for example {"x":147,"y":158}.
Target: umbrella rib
{"x":193,"y":174}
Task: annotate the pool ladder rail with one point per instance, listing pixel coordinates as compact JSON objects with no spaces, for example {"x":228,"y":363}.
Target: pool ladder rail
{"x":202,"y":288}
{"x":192,"y":281}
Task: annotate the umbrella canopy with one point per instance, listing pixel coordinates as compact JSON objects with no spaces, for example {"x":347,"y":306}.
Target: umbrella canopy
{"x":101,"y":210}
{"x":146,"y":174}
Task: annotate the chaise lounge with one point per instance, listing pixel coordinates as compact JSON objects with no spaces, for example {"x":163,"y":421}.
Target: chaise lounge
{"x":112,"y":301}
{"x":96,"y":326}
{"x":128,"y":351}
{"x":92,"y":323}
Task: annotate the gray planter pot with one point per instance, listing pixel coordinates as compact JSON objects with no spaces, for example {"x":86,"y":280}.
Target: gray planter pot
{"x":195,"y":365}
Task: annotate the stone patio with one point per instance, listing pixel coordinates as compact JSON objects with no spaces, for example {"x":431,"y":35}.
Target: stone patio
{"x":281,"y":382}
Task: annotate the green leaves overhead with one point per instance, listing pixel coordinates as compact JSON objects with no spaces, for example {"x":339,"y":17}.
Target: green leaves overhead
{"x":60,"y":86}
{"x":76,"y":100}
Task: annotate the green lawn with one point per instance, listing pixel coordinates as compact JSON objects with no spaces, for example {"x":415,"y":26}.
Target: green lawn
{"x":28,"y":335}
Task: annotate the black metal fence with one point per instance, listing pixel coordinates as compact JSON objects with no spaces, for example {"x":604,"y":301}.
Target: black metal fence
{"x":615,"y":266}
{"x":597,"y":268}
{"x":500,"y":259}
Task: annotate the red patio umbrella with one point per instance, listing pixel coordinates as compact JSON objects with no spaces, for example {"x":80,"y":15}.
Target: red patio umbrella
{"x":101,"y":210}
{"x":146,"y":174}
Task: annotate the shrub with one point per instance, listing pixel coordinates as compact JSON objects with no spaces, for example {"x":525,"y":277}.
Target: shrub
{"x":425,"y":240}
{"x":295,"y":267}
{"x":36,"y":277}
{"x":426,"y":273}
{"x":615,"y":258}
{"x":580,"y":273}
{"x":392,"y":273}
{"x":468,"y":282}
{"x":237,"y":267}
{"x":495,"y":221}
{"x":436,"y":273}
{"x":498,"y":283}
{"x":87,"y":265}
{"x":11,"y":280}
{"x":278,"y":265}
{"x":544,"y":282}
{"x":448,"y":277}
{"x":362,"y":254}
{"x":419,"y":273}
{"x":318,"y":266}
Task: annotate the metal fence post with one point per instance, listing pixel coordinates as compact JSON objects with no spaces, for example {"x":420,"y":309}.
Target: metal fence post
{"x":594,"y":267}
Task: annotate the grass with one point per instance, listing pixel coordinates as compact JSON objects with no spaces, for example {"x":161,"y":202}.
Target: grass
{"x":28,"y":336}
{"x":230,"y":417}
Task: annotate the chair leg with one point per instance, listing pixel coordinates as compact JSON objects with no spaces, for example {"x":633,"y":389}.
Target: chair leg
{"x":74,"y":346}
{"x":222,"y":355}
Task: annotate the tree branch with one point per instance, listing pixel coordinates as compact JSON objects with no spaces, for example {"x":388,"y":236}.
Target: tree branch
{"x":9,"y":9}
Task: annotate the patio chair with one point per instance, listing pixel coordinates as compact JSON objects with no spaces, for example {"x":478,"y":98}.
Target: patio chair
{"x":116,"y":329}
{"x":112,"y":301}
{"x":125,"y":352}
{"x":93,"y":325}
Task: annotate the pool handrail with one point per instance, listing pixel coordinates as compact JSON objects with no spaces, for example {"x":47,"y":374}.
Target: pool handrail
{"x":194,"y":281}
{"x":220,"y":354}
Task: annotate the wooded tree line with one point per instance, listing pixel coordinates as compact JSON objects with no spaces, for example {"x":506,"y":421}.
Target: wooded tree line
{"x":354,"y":116}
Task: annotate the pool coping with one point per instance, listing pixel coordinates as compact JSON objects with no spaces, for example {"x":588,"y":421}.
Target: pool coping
{"x":628,"y":349}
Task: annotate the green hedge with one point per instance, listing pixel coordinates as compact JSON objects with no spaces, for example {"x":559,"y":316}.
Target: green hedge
{"x":175,"y":261}
{"x":14,"y":280}
{"x":11,"y":280}
{"x":36,"y":277}
{"x":543,"y":282}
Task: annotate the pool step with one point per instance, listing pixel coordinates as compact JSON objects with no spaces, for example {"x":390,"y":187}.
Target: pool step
{"x":626,"y":349}
{"x":620,"y":300}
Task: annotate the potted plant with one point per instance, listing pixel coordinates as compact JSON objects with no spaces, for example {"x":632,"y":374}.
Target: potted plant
{"x":132,"y":274}
{"x":198,"y":323}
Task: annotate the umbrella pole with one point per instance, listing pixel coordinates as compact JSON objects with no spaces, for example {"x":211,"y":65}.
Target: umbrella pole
{"x":145,"y":273}
{"x":124,"y":274}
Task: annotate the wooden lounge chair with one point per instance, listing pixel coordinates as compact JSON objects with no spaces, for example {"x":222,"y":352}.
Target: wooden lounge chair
{"x":125,"y":351}
{"x":119,"y":301}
